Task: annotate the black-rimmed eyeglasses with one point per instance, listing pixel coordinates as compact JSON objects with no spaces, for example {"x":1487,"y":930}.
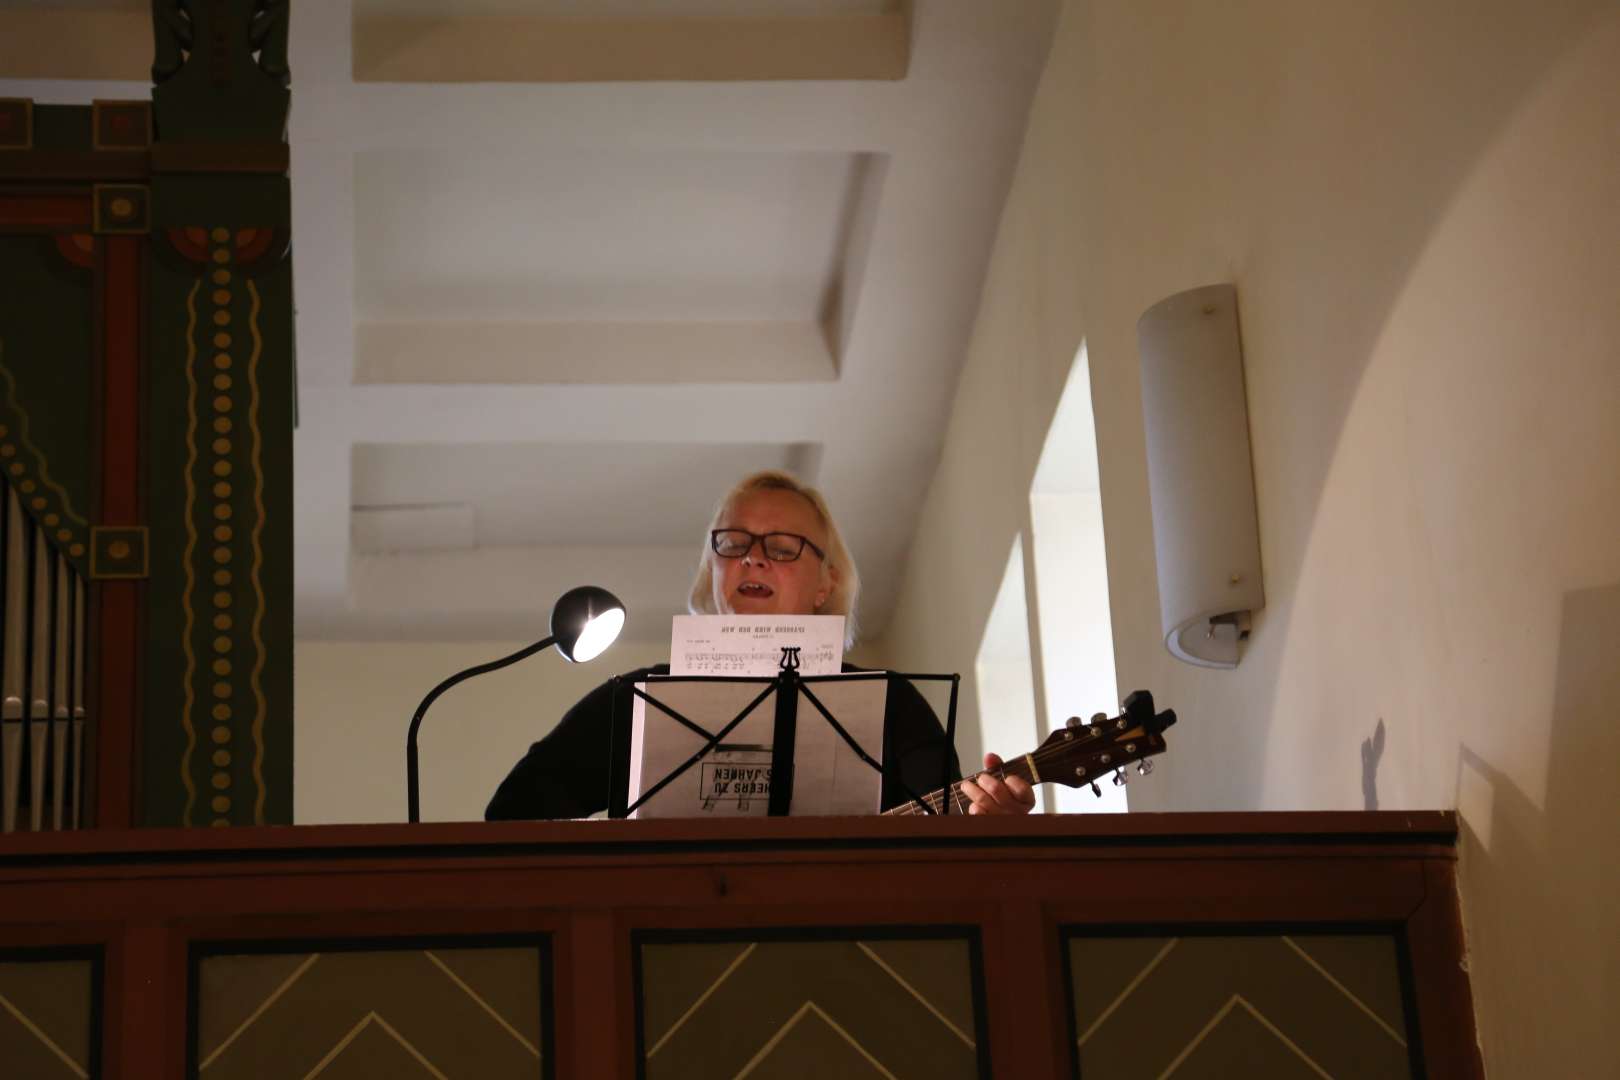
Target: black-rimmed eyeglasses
{"x":777,"y":546}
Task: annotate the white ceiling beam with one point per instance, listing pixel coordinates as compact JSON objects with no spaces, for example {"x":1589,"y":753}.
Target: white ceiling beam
{"x":482,"y":414}
{"x":543,"y":48}
{"x":511,"y":591}
{"x":835,"y":116}
{"x":532,"y":353}
{"x":76,"y":44}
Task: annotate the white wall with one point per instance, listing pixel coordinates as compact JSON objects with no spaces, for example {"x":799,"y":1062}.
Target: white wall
{"x":1420,"y":206}
{"x":354,"y":700}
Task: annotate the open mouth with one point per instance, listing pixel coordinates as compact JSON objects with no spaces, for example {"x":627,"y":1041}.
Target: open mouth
{"x":754,"y":589}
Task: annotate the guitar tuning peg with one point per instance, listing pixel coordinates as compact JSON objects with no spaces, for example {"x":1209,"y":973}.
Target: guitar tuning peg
{"x":1099,"y":718}
{"x":1144,"y":767}
{"x":1072,"y":722}
{"x":1121,"y":778}
{"x":1095,"y":790}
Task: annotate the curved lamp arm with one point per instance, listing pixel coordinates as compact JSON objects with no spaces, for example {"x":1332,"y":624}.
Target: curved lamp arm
{"x":412,"y":785}
{"x":584,"y":621}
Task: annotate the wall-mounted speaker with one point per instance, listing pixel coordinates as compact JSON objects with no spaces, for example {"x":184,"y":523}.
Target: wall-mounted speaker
{"x":1200,"y":474}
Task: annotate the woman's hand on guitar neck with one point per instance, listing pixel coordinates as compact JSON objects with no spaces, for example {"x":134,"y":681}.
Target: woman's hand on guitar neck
{"x":988,"y":793}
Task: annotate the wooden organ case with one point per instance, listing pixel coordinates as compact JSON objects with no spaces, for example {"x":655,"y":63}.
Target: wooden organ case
{"x":146,"y":414}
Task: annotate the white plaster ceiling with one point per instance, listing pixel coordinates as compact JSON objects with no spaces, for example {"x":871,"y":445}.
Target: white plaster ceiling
{"x":598,"y":235}
{"x":543,"y":324}
{"x":86,"y":5}
{"x":623,"y":8}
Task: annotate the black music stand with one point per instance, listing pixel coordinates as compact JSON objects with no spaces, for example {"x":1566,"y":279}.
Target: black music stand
{"x":789,"y":687}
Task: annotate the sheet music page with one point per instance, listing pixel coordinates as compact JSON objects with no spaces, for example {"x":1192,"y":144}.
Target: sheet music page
{"x":734,"y":779}
{"x":752,"y":644}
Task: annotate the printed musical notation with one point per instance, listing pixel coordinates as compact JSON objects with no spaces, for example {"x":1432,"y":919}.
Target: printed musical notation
{"x":751,"y":645}
{"x":697,"y":662}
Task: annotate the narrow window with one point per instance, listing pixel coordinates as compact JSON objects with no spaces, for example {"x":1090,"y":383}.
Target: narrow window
{"x":1005,"y":678}
{"x":1071,"y":578}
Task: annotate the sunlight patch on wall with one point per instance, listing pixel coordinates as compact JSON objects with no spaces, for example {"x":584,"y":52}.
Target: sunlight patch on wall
{"x":1005,"y":678}
{"x":1071,"y":578}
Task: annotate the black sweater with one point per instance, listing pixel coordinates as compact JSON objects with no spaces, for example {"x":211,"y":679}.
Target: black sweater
{"x":566,"y":774}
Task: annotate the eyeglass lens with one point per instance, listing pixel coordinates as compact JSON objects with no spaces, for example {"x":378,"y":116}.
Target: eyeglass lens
{"x":778,"y":547}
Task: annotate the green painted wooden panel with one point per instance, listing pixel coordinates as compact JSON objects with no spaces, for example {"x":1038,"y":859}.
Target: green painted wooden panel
{"x":811,"y":1009}
{"x":48,"y":1018}
{"x":1291,"y":1006}
{"x":407,"y":1012}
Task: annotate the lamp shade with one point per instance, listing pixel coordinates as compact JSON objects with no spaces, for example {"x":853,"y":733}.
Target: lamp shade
{"x":586,"y":621}
{"x":1200,"y":474}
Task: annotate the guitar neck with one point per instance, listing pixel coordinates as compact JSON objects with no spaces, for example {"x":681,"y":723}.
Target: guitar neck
{"x":1019,"y":767}
{"x":1074,"y":755}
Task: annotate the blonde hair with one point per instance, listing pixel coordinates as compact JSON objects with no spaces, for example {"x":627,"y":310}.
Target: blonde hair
{"x":846,"y":583}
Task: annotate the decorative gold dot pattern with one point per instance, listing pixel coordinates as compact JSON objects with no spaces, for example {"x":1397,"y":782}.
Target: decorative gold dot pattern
{"x":221,"y":509}
{"x":48,"y":503}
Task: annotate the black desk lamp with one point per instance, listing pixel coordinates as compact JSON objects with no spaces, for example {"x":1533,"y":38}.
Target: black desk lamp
{"x":584,"y":622}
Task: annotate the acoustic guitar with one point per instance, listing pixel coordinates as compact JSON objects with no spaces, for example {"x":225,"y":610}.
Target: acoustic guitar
{"x":1077,"y":755}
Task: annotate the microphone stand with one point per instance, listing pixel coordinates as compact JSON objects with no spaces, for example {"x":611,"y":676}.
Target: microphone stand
{"x":412,"y":783}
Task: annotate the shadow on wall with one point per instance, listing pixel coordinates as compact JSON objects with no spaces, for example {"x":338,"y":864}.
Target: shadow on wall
{"x":1471,"y":91}
{"x":1372,"y":752}
{"x":1538,"y":884}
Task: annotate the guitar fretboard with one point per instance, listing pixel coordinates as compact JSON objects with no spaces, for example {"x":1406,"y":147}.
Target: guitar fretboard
{"x":1018,"y":767}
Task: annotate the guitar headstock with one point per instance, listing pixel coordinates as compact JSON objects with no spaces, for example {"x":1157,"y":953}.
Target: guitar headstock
{"x":1083,"y":753}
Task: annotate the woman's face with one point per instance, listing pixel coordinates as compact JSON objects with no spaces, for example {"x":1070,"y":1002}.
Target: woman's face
{"x":755,"y":585}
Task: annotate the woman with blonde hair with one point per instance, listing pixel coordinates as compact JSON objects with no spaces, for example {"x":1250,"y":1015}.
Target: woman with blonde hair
{"x":835,"y":568}
{"x":772,"y":548}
